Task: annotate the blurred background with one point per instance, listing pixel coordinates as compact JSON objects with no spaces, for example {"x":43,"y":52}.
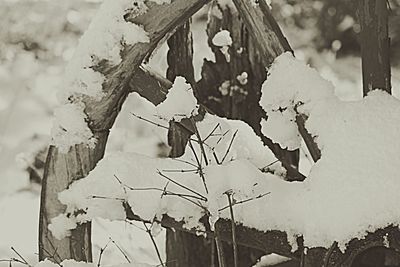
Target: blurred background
{"x":37,"y":38}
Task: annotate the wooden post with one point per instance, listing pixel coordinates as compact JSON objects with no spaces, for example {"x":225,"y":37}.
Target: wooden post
{"x":183,"y":249}
{"x":231,"y":87}
{"x":375,"y":45}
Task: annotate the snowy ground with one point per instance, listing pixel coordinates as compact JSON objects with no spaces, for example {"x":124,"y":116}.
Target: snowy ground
{"x":27,"y":98}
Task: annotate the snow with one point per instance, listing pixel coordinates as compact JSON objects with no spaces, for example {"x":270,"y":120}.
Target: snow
{"x":105,"y":38}
{"x":67,"y":223}
{"x":46,"y":263}
{"x":238,"y":178}
{"x":281,"y":98}
{"x":245,"y":144}
{"x":180,"y":102}
{"x":242,"y":78}
{"x":226,"y":142}
{"x":19,"y":217}
{"x":271,"y":260}
{"x":120,"y":167}
{"x":282,"y":129}
{"x":357,"y":164}
{"x":161,"y":2}
{"x":71,"y":127}
{"x":224,"y":87}
{"x":223,"y":40}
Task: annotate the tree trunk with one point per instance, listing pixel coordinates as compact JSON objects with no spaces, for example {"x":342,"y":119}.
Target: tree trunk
{"x":375,"y":45}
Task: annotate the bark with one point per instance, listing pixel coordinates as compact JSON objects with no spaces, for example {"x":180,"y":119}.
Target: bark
{"x":62,"y":169}
{"x":375,"y":45}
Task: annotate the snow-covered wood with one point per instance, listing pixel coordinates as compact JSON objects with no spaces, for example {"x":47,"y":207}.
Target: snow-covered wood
{"x":300,"y":201}
{"x":64,"y":168}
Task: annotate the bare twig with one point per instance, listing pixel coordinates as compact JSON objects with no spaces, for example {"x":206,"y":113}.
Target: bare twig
{"x":230,"y":146}
{"x":244,"y":201}
{"x":149,"y":121}
{"x":234,"y":244}
{"x":183,"y":196}
{"x":55,"y":252}
{"x":101,"y":253}
{"x":199,"y":166}
{"x":203,"y":151}
{"x":134,"y":225}
{"x":312,"y":147}
{"x":216,"y":158}
{"x":106,"y":198}
{"x":154,"y":244}
{"x":121,"y":183}
{"x":120,"y":249}
{"x":20,"y":256}
{"x":266,"y":168}
{"x":220,"y":249}
{"x":169,"y":193}
{"x":181,"y":171}
{"x":181,"y":185}
{"x":155,"y":124}
{"x":52,"y":256}
{"x":185,"y":161}
{"x":10,"y":261}
{"x":222,"y":136}
{"x":212,"y":132}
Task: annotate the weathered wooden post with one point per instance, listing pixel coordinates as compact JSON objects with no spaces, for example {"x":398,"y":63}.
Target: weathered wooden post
{"x":183,"y":249}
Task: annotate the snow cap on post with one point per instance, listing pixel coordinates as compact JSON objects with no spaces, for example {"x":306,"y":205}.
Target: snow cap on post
{"x":180,"y":102}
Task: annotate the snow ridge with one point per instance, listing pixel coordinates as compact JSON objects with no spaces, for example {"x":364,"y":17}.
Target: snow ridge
{"x":105,"y":38}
